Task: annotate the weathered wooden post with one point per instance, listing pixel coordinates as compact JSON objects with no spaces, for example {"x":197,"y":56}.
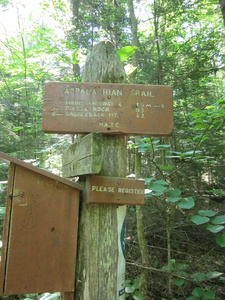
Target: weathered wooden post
{"x":100,"y":270}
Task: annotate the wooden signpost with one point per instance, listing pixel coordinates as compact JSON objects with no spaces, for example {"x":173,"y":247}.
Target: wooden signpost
{"x":119,"y":109}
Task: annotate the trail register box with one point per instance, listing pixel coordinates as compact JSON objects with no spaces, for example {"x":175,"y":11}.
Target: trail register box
{"x":40,"y":231}
{"x":121,"y":109}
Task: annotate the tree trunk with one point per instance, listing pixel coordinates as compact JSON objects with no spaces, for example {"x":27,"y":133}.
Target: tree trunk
{"x":135,"y":42}
{"x":100,"y":272}
{"x":222,"y":7}
{"x":143,"y":245}
{"x":74,"y":7}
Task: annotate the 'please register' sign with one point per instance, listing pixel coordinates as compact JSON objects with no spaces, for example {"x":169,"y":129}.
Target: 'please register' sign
{"x":114,"y":190}
{"x":108,"y":108}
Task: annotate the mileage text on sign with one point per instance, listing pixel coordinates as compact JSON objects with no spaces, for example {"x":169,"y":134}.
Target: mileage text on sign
{"x":108,"y":108}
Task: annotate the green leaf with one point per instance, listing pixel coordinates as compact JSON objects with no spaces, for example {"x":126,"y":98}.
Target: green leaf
{"x":129,"y":289}
{"x":129,"y":69}
{"x":138,"y":295}
{"x":199,"y":219}
{"x":191,"y":152}
{"x":220,"y":240}
{"x":127,"y":282}
{"x":125,"y":52}
{"x":160,"y":147}
{"x":214,"y":228}
{"x":221,"y":101}
{"x":175,"y":193}
{"x":166,"y":167}
{"x":191,"y":298}
{"x":48,"y":296}
{"x":2,"y":210}
{"x":161,"y":182}
{"x":186,"y":203}
{"x":145,"y":139}
{"x":222,"y":278}
{"x":178,"y":282}
{"x":212,"y":275}
{"x":206,"y":213}
{"x":210,"y":106}
{"x":136,"y":283}
{"x":209,"y":295}
{"x":218,"y":220}
{"x":198,"y":276}
{"x":157,"y":187}
{"x":182,"y":266}
{"x":173,"y":199}
{"x":142,"y":149}
{"x":148,"y":180}
{"x":198,"y":292}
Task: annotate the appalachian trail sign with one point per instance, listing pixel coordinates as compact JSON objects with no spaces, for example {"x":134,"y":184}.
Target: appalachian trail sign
{"x":112,"y":108}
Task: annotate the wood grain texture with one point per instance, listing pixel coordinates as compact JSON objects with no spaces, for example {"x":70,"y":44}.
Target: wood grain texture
{"x":103,"y":65}
{"x":83,"y":157}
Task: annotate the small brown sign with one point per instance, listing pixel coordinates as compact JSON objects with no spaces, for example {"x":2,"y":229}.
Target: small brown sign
{"x":108,"y":108}
{"x":115,"y":190}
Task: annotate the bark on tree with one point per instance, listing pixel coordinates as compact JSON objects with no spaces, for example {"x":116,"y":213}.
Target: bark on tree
{"x":97,"y":276}
{"x":135,"y":42}
{"x":222,"y":7}
{"x":74,"y":7}
{"x":142,"y":241}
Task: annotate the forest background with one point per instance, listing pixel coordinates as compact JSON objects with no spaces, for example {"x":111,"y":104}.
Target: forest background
{"x":175,"y":243}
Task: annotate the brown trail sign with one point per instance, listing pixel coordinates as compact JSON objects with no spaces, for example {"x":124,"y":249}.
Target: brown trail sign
{"x":120,"y":109}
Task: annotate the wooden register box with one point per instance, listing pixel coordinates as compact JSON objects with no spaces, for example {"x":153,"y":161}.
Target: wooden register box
{"x":40,"y":231}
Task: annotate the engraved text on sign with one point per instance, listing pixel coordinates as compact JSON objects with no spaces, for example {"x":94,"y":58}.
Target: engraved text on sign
{"x":108,"y":108}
